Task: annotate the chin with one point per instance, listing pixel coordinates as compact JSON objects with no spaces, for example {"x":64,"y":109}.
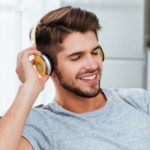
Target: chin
{"x":87,"y":94}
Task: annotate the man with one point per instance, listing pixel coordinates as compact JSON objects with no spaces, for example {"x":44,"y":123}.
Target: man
{"x":83,"y":116}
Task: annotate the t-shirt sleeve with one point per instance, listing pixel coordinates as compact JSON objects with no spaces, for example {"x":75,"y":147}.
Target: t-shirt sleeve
{"x":138,"y":98}
{"x":37,"y":132}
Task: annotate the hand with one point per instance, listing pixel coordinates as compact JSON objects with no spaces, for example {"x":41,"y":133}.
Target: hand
{"x":25,"y":69}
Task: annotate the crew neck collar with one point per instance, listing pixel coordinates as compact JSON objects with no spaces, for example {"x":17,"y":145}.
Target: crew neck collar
{"x":54,"y":106}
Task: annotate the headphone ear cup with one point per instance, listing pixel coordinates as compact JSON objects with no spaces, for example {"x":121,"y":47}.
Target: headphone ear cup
{"x":40,"y":65}
{"x":43,"y":64}
{"x":48,"y":63}
{"x":102,"y":55}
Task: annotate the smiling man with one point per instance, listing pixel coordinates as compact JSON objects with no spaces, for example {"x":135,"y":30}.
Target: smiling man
{"x":78,"y":72}
{"x":83,"y":116}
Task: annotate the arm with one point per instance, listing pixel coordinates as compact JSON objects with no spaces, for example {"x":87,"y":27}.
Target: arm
{"x":12,"y":123}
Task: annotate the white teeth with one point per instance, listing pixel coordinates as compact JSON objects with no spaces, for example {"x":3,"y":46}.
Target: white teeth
{"x":89,"y":77}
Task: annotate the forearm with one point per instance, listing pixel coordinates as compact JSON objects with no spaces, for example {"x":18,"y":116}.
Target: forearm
{"x":12,"y":123}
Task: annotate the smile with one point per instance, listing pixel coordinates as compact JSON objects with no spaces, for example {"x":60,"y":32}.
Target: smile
{"x":91,"y":77}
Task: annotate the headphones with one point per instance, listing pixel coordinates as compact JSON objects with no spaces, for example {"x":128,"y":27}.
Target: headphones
{"x":102,"y":55}
{"x":44,"y":64}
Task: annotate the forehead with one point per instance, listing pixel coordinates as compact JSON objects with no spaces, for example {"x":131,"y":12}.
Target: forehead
{"x":77,"y":41}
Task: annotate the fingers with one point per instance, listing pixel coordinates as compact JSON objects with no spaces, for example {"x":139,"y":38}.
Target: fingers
{"x":26,"y":53}
{"x":23,"y":51}
{"x":32,"y":61}
{"x":23,"y":58}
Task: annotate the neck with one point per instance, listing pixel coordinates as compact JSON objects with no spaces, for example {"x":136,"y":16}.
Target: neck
{"x":79,"y":104}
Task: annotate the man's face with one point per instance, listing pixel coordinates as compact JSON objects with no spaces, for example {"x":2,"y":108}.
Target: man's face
{"x":79,"y":65}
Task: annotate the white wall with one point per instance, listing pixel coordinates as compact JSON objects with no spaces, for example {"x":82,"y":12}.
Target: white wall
{"x":16,"y":19}
{"x":122,"y":38}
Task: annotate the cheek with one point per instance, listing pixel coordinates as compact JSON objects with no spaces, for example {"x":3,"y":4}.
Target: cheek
{"x":68,"y":71}
{"x":101,"y":66}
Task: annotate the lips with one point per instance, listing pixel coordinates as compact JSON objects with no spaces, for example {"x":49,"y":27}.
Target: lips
{"x":90,"y":79}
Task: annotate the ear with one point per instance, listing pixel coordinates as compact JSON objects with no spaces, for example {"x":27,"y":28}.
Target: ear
{"x":54,"y":78}
{"x":53,"y":75}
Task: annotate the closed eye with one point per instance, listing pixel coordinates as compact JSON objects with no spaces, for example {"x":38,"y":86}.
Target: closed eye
{"x":96,"y":51}
{"x":75,"y":57}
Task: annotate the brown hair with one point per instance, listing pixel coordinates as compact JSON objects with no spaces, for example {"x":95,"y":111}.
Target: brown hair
{"x":57,"y":24}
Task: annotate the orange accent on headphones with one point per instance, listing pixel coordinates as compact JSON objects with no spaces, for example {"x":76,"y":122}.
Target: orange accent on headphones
{"x":40,"y":65}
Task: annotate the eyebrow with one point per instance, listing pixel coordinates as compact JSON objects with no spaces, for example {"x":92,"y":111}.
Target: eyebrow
{"x":80,"y":52}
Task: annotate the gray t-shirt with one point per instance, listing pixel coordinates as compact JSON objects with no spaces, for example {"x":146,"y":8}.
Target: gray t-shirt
{"x":122,"y":124}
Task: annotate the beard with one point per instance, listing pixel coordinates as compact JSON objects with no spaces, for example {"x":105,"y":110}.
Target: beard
{"x":75,"y":90}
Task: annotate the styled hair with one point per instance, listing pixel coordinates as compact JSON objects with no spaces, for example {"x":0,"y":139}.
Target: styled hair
{"x":52,"y":28}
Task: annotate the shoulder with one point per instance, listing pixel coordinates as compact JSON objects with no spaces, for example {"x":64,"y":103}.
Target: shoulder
{"x":38,"y":128}
{"x":136,"y":97}
{"x":39,"y":115}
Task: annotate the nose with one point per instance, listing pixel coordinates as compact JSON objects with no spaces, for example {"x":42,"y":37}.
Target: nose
{"x":91,"y":63}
